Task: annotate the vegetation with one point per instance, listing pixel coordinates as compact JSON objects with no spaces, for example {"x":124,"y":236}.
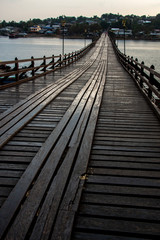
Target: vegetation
{"x":81,"y":25}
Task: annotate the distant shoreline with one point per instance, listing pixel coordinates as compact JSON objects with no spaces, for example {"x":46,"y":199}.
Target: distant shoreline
{"x":38,"y":35}
{"x":138,"y":38}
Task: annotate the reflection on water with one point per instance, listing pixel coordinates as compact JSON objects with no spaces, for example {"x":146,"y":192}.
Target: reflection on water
{"x":24,"y":48}
{"x":147,"y":51}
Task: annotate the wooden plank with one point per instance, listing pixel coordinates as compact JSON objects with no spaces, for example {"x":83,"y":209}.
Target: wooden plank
{"x":126,"y":148}
{"x":46,"y":216}
{"x":132,"y":228}
{"x":130,"y":181}
{"x":4,"y":191}
{"x":10,"y":173}
{"x":122,"y":190}
{"x":129,"y":153}
{"x":72,"y":196}
{"x":124,"y":165}
{"x":25,"y":116}
{"x":94,"y":236}
{"x":37,"y":162}
{"x":135,"y":159}
{"x":125,"y":213}
{"x":8,"y":181}
{"x":124,"y":172}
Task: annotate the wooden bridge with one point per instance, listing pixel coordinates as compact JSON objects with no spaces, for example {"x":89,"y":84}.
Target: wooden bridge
{"x":80,"y":151}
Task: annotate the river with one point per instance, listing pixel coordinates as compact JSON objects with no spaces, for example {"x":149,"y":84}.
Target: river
{"x":143,"y":50}
{"x":24,"y":48}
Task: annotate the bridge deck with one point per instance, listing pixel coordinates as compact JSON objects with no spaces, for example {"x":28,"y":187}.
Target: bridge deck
{"x":81,"y":161}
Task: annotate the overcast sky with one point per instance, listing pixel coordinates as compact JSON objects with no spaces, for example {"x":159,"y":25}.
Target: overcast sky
{"x":25,"y":9}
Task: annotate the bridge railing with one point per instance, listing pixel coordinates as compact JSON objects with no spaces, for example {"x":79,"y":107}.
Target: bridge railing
{"x":17,"y":71}
{"x":147,"y":78}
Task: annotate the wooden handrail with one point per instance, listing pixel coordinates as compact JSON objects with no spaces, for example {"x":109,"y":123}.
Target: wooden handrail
{"x":146,"y":77}
{"x":17,"y":73}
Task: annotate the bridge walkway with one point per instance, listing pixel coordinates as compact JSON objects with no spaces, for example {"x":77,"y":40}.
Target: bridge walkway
{"x":85,"y":166}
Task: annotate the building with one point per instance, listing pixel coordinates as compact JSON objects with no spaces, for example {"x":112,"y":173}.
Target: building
{"x":120,"y":32}
{"x":35,"y":28}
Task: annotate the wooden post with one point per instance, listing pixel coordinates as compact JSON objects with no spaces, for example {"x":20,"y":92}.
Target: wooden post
{"x":142,"y":74}
{"x":53,"y":61}
{"x":75,"y":55}
{"x":44,"y":63}
{"x":72,"y":58}
{"x":65,"y":60}
{"x":68,"y":58}
{"x":32,"y":65}
{"x":16,"y":69}
{"x":60,"y":60}
{"x":128,"y":63}
{"x":136,"y":67}
{"x":151,"y":81}
{"x":131,"y":65}
{"x":151,"y":78}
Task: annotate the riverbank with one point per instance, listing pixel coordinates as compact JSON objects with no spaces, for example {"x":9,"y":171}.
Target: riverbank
{"x":138,"y":38}
{"x":38,"y":35}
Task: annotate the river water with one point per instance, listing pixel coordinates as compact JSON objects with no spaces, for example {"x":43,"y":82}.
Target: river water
{"x":143,"y":50}
{"x":24,"y":48}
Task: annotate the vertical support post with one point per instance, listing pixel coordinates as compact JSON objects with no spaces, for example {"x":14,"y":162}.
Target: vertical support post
{"x":32,"y":65}
{"x":142,"y":74}
{"x":136,"y":76}
{"x":151,"y":81}
{"x":16,"y":69}
{"x":53,"y":61}
{"x":151,"y":78}
{"x":60,"y":60}
{"x":75,"y":56}
{"x":65,"y":60}
{"x":44,"y":63}
{"x":131,"y":65}
{"x":85,"y":35}
{"x":124,"y":26}
{"x":63,"y":43}
{"x":124,"y":42}
{"x":63,"y":25}
{"x":69,"y":58}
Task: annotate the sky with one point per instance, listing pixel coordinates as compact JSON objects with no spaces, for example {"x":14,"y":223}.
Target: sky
{"x":17,"y":10}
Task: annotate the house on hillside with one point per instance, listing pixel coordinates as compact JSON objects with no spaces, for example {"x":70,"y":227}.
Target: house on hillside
{"x":120,"y":32}
{"x":35,"y":28}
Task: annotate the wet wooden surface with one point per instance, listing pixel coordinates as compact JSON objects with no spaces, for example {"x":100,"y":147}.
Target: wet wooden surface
{"x":85,"y":164}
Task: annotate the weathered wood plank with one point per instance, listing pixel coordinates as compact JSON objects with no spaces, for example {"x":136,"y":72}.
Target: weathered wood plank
{"x":136,"y":229}
{"x":122,"y":190}
{"x":38,"y":161}
{"x":125,"y":213}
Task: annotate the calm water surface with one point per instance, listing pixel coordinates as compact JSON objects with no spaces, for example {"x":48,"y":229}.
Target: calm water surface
{"x":147,"y":51}
{"x":23,"y":48}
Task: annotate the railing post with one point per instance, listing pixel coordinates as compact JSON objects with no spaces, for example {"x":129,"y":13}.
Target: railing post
{"x":136,"y":67}
{"x":75,"y":56}
{"x":151,"y":78}
{"x":16,"y":69}
{"x":65,"y":60}
{"x":60,"y":60}
{"x":128,"y":63}
{"x":72,"y":58}
{"x":142,"y":74}
{"x":53,"y":61}
{"x":131,"y":65}
{"x":32,"y":66}
{"x":44,"y":63}
{"x":68,"y":58}
{"x":151,"y":81}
